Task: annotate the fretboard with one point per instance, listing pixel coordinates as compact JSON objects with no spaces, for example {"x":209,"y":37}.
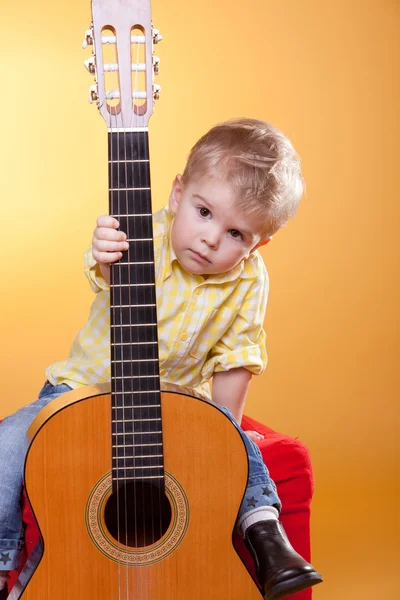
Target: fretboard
{"x":135,"y":382}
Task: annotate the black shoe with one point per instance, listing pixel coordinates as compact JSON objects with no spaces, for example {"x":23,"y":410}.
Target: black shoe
{"x":4,"y":593}
{"x":280,"y":569}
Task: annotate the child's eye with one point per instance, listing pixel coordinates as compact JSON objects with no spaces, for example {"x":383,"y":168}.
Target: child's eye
{"x":204,"y":212}
{"x":235,"y":234}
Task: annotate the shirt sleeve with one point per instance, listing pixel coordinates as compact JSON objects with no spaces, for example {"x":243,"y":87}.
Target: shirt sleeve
{"x":243,"y":344}
{"x":92,"y":271}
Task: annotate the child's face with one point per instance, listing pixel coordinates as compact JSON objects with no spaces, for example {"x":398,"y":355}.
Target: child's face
{"x":210,"y":234}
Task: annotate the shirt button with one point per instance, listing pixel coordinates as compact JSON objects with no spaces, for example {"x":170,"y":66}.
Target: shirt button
{"x":184,"y":337}
{"x":198,"y":291}
{"x":162,"y":372}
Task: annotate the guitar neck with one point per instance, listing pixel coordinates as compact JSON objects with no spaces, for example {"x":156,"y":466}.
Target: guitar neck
{"x":135,"y":381}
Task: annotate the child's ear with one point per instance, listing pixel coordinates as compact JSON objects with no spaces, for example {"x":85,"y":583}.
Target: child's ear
{"x":176,"y":194}
{"x":261,"y":243}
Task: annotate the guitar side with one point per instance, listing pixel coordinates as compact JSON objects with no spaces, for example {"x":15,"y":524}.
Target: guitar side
{"x":68,"y":483}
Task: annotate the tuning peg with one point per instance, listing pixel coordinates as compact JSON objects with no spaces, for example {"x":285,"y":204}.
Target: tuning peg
{"x":157,"y":37}
{"x":93,"y":94}
{"x":156,"y":91}
{"x":156,"y":65}
{"x":89,"y":64}
{"x":88,"y":39}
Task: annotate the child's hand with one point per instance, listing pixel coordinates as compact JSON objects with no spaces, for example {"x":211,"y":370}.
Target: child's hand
{"x":108,"y":243}
{"x":254,"y":435}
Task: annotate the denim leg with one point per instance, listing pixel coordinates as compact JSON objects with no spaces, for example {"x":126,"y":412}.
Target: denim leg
{"x":14,"y":444}
{"x":261,"y":490}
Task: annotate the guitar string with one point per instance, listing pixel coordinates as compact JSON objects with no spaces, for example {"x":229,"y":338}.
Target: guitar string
{"x":132,"y":235}
{"x":137,"y":234}
{"x":155,"y":490}
{"x":113,"y":334}
{"x":119,"y":313}
{"x":156,"y":494}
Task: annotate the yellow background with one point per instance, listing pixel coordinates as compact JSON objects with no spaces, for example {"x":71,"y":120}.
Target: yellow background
{"x":327,"y":74}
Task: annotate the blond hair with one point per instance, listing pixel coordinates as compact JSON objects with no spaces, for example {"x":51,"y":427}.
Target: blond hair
{"x":258,"y":161}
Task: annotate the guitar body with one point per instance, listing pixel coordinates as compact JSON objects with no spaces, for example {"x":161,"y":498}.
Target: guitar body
{"x":68,"y":484}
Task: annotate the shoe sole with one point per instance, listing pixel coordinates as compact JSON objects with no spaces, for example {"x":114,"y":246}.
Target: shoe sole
{"x":302,"y":582}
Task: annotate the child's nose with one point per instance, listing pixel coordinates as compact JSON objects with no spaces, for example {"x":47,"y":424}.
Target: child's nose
{"x":212,"y":238}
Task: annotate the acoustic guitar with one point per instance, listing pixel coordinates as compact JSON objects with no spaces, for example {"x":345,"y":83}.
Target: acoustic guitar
{"x":135,"y":490}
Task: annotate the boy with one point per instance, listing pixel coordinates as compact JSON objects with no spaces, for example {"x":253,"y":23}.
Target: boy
{"x":241,"y":183}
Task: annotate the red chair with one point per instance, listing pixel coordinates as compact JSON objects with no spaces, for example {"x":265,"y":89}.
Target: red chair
{"x":289,"y":464}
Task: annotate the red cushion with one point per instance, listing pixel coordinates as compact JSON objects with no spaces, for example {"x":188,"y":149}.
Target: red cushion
{"x":289,"y":465}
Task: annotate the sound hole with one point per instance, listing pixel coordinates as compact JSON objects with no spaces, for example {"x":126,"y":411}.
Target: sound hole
{"x":137,"y":514}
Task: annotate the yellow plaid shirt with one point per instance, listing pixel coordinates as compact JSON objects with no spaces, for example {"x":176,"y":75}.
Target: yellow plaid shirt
{"x":204,"y":325}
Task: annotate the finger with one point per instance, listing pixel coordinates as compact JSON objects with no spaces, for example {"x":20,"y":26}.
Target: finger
{"x":107,"y":221}
{"x":106,"y":258}
{"x":107,"y":233}
{"x":109,"y":246}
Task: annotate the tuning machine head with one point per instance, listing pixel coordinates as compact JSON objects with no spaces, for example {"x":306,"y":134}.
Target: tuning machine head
{"x":88,"y":39}
{"x":157,"y":37}
{"x":156,"y":65}
{"x":90,"y":65}
{"x":94,"y":94}
{"x":156,"y":92}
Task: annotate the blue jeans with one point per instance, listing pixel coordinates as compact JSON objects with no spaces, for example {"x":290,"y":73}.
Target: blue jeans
{"x":14,"y":443}
{"x":261,"y":489}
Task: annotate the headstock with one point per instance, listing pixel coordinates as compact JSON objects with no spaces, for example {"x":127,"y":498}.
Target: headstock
{"x":124,"y":65}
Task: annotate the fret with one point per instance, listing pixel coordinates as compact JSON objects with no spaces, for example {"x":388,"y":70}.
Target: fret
{"x":131,"y":305}
{"x":134,"y":176}
{"x":140,"y":450}
{"x":128,"y":146}
{"x":128,"y":285}
{"x":130,"y":352}
{"x":132,"y":215}
{"x":141,"y":369}
{"x":140,"y":392}
{"x":137,"y":472}
{"x":128,"y":189}
{"x":133,"y":384}
{"x":124,"y":295}
{"x":128,"y":361}
{"x":135,"y":377}
{"x":136,"y":227}
{"x":132,"y":414}
{"x":139,"y":467}
{"x":131,"y":399}
{"x":135,"y":420}
{"x":138,"y":427}
{"x":128,"y":161}
{"x":136,"y":407}
{"x":135,"y":335}
{"x":132,"y":343}
{"x":118,"y":446}
{"x":137,"y":438}
{"x":133,"y":433}
{"x":134,"y":275}
{"x":148,"y":262}
{"x":134,"y":325}
{"x":128,"y":317}
{"x":130,"y":201}
{"x":146,"y":456}
{"x":140,"y":240}
{"x":136,"y":413}
{"x":149,"y":477}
